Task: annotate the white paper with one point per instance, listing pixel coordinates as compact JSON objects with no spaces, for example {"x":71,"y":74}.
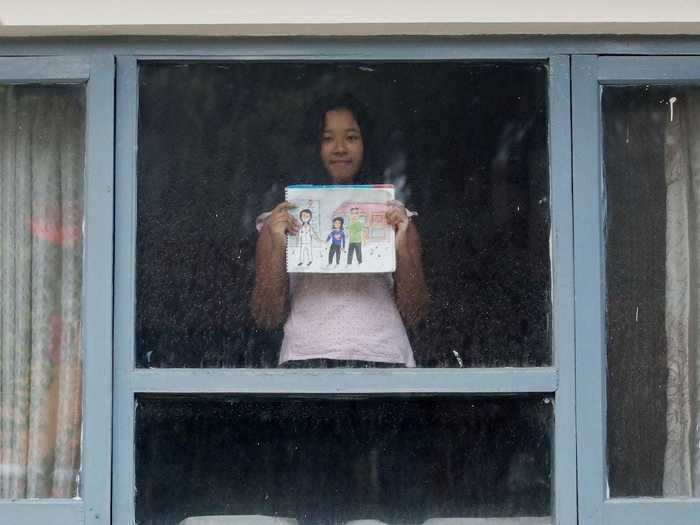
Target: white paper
{"x":321,"y":247}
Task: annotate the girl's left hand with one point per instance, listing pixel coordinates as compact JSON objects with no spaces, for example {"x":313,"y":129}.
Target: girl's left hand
{"x":397,"y":217}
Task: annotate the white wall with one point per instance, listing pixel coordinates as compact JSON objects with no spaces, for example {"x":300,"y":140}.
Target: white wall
{"x":231,"y":17}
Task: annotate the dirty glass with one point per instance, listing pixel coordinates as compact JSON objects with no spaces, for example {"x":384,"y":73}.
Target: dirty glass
{"x":332,"y":460}
{"x":464,"y":144}
{"x":652,"y":174}
{"x":42,"y":150}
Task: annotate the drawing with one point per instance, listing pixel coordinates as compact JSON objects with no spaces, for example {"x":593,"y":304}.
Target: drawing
{"x":356,"y":235}
{"x":352,"y":219}
{"x":305,"y":237}
{"x":337,"y":239}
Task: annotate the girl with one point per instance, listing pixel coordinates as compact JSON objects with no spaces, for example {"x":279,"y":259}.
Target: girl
{"x":337,"y":239}
{"x":362,"y":315}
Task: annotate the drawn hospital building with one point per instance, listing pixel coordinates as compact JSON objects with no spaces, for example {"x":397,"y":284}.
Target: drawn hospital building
{"x":372,"y":215}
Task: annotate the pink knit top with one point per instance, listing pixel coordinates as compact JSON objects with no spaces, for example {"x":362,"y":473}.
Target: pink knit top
{"x":344,"y":316}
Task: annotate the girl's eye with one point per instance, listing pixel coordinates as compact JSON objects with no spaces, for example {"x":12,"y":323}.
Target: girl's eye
{"x":353,"y":138}
{"x":326,"y":138}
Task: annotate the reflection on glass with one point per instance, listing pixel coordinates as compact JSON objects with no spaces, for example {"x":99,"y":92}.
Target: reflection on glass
{"x":394,"y":459}
{"x":465,"y":144}
{"x":42,"y":144}
{"x":652,"y":174}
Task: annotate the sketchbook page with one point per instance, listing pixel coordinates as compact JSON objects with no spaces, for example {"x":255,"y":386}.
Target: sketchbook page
{"x":343,"y":229}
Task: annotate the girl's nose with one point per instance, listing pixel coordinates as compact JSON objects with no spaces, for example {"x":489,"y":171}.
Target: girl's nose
{"x":340,"y":146}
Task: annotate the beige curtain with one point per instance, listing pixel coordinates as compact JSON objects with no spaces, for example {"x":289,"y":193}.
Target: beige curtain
{"x":41,"y":193}
{"x":682,"y":159}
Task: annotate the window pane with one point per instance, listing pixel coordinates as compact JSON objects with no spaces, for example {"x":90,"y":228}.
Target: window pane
{"x":42,"y":129}
{"x":394,"y":459}
{"x":464,"y":144}
{"x":652,"y":174}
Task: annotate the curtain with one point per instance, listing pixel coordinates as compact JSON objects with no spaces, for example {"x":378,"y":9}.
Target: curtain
{"x":682,"y":169}
{"x":41,"y":194}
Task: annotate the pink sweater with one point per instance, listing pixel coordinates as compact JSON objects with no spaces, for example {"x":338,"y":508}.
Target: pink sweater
{"x":344,"y":316}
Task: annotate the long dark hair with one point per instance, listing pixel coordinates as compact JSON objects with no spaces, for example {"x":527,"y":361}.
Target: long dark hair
{"x":317,"y":121}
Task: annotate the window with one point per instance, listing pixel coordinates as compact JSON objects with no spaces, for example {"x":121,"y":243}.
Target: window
{"x":206,"y":420}
{"x":637,"y":327}
{"x":218,"y":142}
{"x":332,"y":459}
{"x":200,"y":395}
{"x":55,"y":182}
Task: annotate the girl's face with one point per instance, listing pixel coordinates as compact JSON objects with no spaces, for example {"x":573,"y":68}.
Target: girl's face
{"x":342,"y":148}
{"x":305,"y":217}
{"x":336,"y":224}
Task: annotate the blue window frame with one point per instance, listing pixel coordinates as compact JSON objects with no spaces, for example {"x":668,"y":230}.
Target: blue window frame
{"x":97,"y":74}
{"x":577,"y":233}
{"x":556,"y":380}
{"x":590,"y":75}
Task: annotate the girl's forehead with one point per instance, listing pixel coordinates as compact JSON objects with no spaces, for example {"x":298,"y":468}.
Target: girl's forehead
{"x":340,"y":118}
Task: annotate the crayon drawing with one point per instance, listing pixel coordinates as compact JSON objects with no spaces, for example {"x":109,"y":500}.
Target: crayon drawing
{"x":343,"y":229}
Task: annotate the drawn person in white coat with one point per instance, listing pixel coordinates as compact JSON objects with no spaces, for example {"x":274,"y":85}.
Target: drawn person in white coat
{"x":305,"y":238}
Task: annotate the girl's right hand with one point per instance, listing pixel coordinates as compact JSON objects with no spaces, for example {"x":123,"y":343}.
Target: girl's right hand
{"x":280,"y":222}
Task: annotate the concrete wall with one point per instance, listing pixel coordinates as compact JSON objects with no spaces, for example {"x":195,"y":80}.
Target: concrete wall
{"x":357,"y":17}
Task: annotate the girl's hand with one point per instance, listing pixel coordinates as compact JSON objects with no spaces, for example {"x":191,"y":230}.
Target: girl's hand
{"x":397,"y":218}
{"x":280,"y":222}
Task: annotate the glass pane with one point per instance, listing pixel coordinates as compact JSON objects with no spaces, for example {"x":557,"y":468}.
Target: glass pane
{"x":398,"y":460}
{"x":464,"y":144}
{"x":42,"y":143}
{"x":652,"y":176}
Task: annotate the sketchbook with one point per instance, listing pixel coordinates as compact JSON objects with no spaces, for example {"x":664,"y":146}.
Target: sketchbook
{"x":343,"y":229}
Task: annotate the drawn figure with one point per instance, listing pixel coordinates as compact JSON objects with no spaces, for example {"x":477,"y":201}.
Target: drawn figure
{"x":356,"y":236}
{"x":337,"y":240}
{"x":305,"y":238}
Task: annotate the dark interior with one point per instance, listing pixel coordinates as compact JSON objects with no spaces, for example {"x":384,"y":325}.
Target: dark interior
{"x":465,"y":143}
{"x":330,"y":460}
{"x":634,"y":123}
